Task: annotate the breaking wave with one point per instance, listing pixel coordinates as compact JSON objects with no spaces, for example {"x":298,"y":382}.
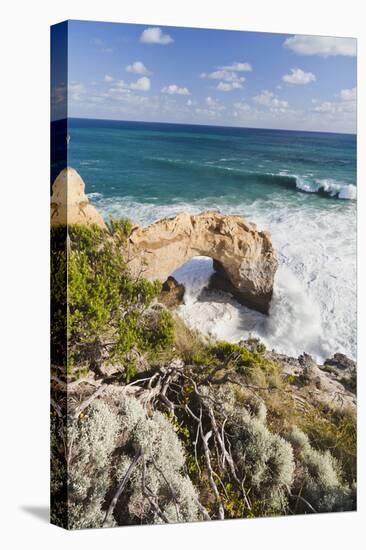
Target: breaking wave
{"x":327,"y":187}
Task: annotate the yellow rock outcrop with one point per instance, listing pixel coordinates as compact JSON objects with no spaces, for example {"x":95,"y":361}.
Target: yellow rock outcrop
{"x":69,"y":203}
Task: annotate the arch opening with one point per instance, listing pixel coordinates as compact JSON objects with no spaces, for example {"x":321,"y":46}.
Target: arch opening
{"x":191,"y":280}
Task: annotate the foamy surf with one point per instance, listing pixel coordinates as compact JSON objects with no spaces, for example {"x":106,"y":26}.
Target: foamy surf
{"x":314,"y":301}
{"x":292,"y":326}
{"x":313,"y":307}
{"x":329,"y":186}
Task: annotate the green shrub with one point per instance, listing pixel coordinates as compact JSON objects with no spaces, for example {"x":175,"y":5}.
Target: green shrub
{"x":58,"y":262}
{"x":253,"y":365}
{"x":159,"y":329}
{"x":120,"y":229}
{"x":107,"y":310}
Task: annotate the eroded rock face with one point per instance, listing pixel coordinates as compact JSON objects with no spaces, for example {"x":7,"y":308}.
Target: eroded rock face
{"x":314,"y":383}
{"x":69,"y":204}
{"x":244,"y":257}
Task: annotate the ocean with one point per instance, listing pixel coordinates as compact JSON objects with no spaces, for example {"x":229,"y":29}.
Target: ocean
{"x":300,"y":186}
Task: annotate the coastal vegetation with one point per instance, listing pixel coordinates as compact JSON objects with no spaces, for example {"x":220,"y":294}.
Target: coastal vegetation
{"x":154,"y":423}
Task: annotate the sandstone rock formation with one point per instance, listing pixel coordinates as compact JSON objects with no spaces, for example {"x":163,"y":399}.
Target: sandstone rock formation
{"x":69,"y":204}
{"x":244,"y":258}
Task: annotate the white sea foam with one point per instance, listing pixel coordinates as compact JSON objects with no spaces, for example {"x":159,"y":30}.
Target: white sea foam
{"x":327,"y":185}
{"x":314,"y":302}
{"x":348,"y":192}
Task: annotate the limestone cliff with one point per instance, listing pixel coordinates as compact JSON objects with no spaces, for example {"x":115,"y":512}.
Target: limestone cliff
{"x":69,"y":203}
{"x":244,"y":257}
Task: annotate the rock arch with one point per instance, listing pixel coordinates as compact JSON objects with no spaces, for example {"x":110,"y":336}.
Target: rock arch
{"x":244,"y":258}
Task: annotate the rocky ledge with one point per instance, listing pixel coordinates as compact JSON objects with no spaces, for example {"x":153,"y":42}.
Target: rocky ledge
{"x":333,"y":383}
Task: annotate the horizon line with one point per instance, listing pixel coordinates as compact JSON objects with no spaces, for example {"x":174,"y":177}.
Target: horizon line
{"x":206,"y":125}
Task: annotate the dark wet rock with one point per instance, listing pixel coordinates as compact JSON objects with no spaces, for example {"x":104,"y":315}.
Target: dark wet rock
{"x":341,"y":361}
{"x":343,"y":369}
{"x":172,"y":293}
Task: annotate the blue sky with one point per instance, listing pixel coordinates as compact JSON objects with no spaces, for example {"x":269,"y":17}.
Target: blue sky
{"x":205,"y":76}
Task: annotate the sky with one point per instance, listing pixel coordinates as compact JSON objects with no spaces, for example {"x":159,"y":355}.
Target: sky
{"x":207,"y":76}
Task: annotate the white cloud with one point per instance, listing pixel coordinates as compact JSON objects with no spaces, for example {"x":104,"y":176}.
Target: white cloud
{"x":228,"y":86}
{"x":210,"y":101}
{"x":214,"y":104}
{"x":298,"y":77}
{"x":75,"y":90}
{"x":345,"y":106}
{"x":102,"y":46}
{"x":237,"y":66}
{"x":174,"y":89}
{"x":269,"y":100}
{"x":325,"y":107}
{"x":242,"y":106}
{"x":154,"y":35}
{"x":223,"y":74}
{"x":108,"y":78}
{"x":138,"y":68}
{"x":334,"y":107}
{"x":348,"y":95}
{"x":142,"y":84}
{"x":342,"y":109}
{"x":212,"y":114}
{"x":229,"y":80}
{"x":324,"y":46}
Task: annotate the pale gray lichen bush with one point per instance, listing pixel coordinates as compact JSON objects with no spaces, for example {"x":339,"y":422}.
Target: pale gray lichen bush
{"x":164,"y":460}
{"x":318,"y":476}
{"x":100,"y":448}
{"x":58,"y":464}
{"x":263,"y":458}
{"x":91,"y":442}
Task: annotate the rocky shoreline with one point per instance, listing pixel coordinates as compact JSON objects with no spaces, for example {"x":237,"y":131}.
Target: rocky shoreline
{"x":151,"y":422}
{"x":333,"y":381}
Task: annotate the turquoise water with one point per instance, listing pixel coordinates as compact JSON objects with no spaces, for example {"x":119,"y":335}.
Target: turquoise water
{"x":301,"y":186}
{"x":168,"y":162}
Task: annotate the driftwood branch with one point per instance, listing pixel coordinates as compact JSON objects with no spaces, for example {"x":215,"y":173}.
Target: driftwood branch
{"x":120,"y":489}
{"x":150,"y":496}
{"x":88,"y":401}
{"x":205,"y":439}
